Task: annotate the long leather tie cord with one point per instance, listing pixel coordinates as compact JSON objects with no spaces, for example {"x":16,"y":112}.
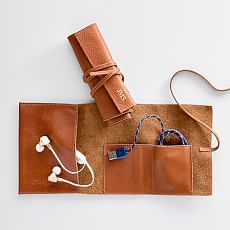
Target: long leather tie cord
{"x":201,"y":149}
{"x":101,"y":70}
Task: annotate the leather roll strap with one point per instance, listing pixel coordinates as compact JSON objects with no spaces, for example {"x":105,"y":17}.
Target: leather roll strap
{"x":102,"y":74}
{"x":92,"y":73}
{"x":201,"y":149}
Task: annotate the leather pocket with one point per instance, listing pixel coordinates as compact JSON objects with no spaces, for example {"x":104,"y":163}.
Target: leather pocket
{"x":172,"y":169}
{"x":130,"y":175}
{"x":149,"y":169}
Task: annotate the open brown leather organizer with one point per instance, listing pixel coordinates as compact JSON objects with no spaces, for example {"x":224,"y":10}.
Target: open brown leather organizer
{"x":80,"y":126}
{"x":96,"y":129}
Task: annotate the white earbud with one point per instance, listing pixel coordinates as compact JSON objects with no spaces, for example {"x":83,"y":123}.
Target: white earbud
{"x":53,"y":176}
{"x":44,"y":141}
{"x":80,"y":159}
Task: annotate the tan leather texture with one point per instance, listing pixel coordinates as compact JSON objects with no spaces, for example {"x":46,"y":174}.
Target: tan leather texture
{"x":102,"y":74}
{"x":59,"y":122}
{"x":150,"y":169}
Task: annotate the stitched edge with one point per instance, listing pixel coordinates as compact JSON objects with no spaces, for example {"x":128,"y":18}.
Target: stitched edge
{"x":75,"y":138}
{"x":191,"y":168}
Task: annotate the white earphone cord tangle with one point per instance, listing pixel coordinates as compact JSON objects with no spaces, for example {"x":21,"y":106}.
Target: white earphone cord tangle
{"x":80,"y":159}
{"x":60,"y":162}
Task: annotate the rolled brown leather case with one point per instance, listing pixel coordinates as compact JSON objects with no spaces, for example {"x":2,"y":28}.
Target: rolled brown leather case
{"x":102,"y":74}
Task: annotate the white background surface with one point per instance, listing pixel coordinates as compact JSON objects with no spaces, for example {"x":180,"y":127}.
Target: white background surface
{"x":149,"y":40}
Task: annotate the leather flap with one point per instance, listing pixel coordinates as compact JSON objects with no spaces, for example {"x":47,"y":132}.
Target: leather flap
{"x":59,"y":123}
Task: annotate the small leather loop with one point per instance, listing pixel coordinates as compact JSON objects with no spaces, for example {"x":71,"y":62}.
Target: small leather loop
{"x":101,"y":70}
{"x":201,"y":149}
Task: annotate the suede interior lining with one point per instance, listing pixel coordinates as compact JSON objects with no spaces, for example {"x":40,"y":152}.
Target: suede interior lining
{"x":92,"y":134}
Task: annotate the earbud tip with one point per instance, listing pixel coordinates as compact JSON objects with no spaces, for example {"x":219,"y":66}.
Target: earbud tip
{"x":39,"y":148}
{"x":44,"y":140}
{"x":56,"y":170}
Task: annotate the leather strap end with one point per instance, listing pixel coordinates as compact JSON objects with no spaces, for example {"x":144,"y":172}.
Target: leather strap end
{"x":205,"y":149}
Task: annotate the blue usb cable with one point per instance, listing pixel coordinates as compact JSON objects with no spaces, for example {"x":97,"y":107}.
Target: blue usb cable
{"x":123,"y":152}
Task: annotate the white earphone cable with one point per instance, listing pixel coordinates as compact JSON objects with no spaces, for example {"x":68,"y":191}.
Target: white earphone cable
{"x":59,"y":179}
{"x":80,"y":159}
{"x":60,"y":162}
